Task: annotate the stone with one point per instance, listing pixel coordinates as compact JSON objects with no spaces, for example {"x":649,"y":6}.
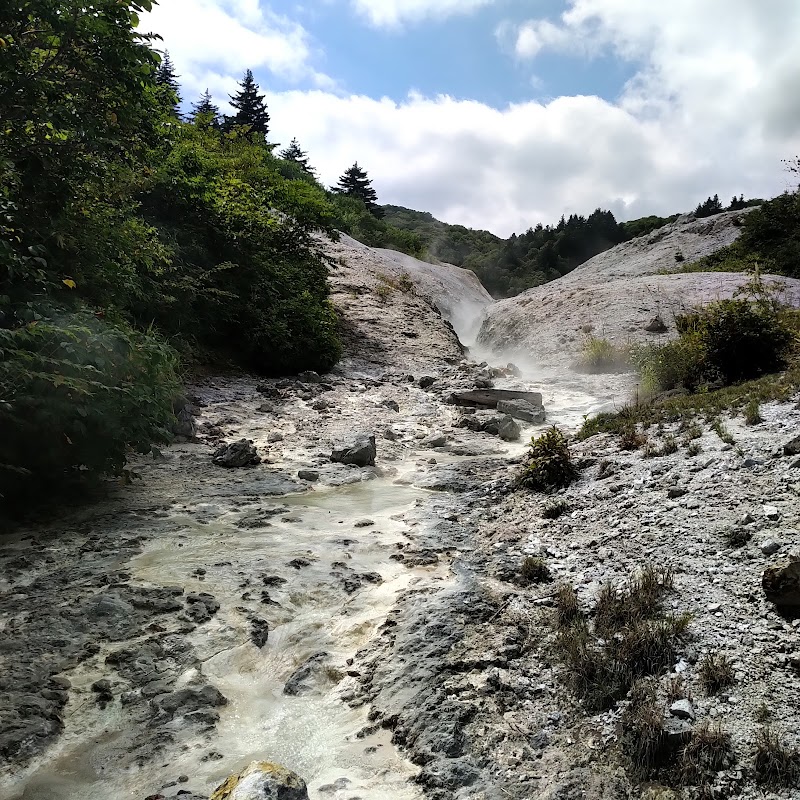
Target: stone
{"x":505,"y":427}
{"x":309,"y":376}
{"x":364,"y":523}
{"x":781,"y":584}
{"x":262,"y":780}
{"x":297,"y":682}
{"x":259,"y":631}
{"x":792,"y":448}
{"x":238,"y":454}
{"x":391,"y":435}
{"x":656,"y":325}
{"x":359,"y":451}
{"x":426,"y":382}
{"x":275,"y":437}
{"x":393,"y":404}
{"x":675,"y":492}
{"x":522,"y":409}
{"x":310,"y":475}
{"x":770,"y":546}
{"x":682,"y":709}
{"x":771,"y":513}
{"x":435,"y":440}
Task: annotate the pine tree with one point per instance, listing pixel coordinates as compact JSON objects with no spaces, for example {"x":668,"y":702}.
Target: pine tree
{"x":167,"y":82}
{"x":205,"y":113}
{"x":251,"y":110}
{"x":355,"y":183}
{"x":295,"y":153}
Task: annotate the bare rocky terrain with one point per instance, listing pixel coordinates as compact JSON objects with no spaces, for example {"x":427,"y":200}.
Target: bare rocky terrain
{"x":365,"y":625}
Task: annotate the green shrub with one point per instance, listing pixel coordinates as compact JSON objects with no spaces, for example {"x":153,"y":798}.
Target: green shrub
{"x":78,"y":393}
{"x":549,"y":463}
{"x":725,"y":342}
{"x":600,"y":355}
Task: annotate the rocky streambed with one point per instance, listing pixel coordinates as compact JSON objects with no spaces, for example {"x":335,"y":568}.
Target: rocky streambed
{"x":251,"y":597}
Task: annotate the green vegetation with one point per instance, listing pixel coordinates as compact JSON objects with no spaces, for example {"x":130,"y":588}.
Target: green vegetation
{"x":631,"y":637}
{"x":716,"y":672}
{"x":548,"y":463}
{"x":555,"y":509}
{"x":128,"y":236}
{"x":776,"y":765}
{"x":600,"y":355}
{"x":534,"y":570}
{"x":355,"y":183}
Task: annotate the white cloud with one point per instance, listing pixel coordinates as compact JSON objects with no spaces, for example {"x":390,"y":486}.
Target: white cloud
{"x":208,"y":38}
{"x":393,"y":13}
{"x":713,"y":107}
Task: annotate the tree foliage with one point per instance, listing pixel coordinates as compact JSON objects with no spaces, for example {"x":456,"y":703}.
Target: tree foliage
{"x":120,"y":225}
{"x":355,"y":183}
{"x":296,"y":154}
{"x":251,"y":109}
{"x":205,"y":113}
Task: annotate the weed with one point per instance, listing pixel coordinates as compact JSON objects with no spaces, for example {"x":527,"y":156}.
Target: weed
{"x":549,"y":463}
{"x":384,"y":291}
{"x":693,"y":431}
{"x":631,"y":438}
{"x":676,"y":689}
{"x":719,"y":428}
{"x":694,"y":449}
{"x":405,"y":283}
{"x":708,"y":752}
{"x":776,"y":765}
{"x":601,"y":355}
{"x":555,"y":509}
{"x":669,"y":446}
{"x":568,"y":609}
{"x":679,"y":257}
{"x":644,"y":740}
{"x":631,"y":637}
{"x":716,"y":672}
{"x":752,"y":412}
{"x":763,"y":714}
{"x":534,"y":570}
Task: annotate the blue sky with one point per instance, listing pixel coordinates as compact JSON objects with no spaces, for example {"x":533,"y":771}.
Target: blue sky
{"x":458,"y":56}
{"x":500,"y":114}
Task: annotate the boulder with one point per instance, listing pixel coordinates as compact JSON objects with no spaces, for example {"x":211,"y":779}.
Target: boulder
{"x":262,"y":781}
{"x":656,"y":325}
{"x":522,"y":409}
{"x":504,"y":427}
{"x":792,"y":448}
{"x":238,"y":454}
{"x":781,"y":584}
{"x":434,"y":440}
{"x":359,"y":451}
{"x":310,"y":475}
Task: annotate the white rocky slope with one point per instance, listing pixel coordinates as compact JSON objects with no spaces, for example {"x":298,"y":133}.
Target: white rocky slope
{"x":616,"y":294}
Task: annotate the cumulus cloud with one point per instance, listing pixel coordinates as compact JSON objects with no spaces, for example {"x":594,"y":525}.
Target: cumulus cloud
{"x":393,"y":13}
{"x":211,"y":41}
{"x":713,"y":107}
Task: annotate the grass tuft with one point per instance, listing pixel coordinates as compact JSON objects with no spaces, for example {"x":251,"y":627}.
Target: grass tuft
{"x":716,"y":673}
{"x":534,"y":570}
{"x":776,"y":765}
{"x":555,"y":509}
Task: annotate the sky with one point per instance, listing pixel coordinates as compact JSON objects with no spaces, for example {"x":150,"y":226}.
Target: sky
{"x":499,"y":114}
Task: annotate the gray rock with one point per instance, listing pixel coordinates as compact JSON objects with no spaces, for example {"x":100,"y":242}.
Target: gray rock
{"x":309,"y":376}
{"x":792,"y":448}
{"x":310,"y":475}
{"x":364,"y":523}
{"x":275,"y":437}
{"x":359,"y":451}
{"x":435,"y":440}
{"x":656,"y":325}
{"x":391,"y":435}
{"x":682,"y":709}
{"x":298,"y":680}
{"x":262,"y":781}
{"x":675,"y":492}
{"x":522,"y":409}
{"x":769,"y":547}
{"x":426,"y":382}
{"x":771,"y":513}
{"x":393,"y":404}
{"x":238,"y":454}
{"x":781,"y":584}
{"x":505,"y":427}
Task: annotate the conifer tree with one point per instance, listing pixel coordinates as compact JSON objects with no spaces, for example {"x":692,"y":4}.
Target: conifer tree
{"x":205,"y":113}
{"x":355,"y":183}
{"x":167,"y":81}
{"x":251,"y":110}
{"x":295,"y":153}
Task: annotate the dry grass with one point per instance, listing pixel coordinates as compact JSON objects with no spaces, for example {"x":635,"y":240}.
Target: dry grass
{"x":709,"y":751}
{"x":555,"y":509}
{"x":534,"y":570}
{"x":716,"y":673}
{"x":776,"y":765}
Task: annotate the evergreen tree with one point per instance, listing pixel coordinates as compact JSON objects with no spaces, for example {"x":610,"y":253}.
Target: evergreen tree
{"x":167,"y":81}
{"x":355,"y":183}
{"x":295,"y":153}
{"x":711,"y":206}
{"x":251,"y":110}
{"x":205,"y":113}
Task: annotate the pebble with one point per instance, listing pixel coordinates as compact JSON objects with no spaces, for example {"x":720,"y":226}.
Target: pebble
{"x":771,"y":512}
{"x":770,"y":546}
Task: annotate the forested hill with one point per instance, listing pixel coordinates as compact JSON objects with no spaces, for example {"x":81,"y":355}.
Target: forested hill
{"x":541,"y":254}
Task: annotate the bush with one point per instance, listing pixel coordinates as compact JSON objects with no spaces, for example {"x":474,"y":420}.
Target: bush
{"x":776,"y":765}
{"x":78,"y":393}
{"x":600,"y":355}
{"x":555,"y":509}
{"x":549,"y":463}
{"x":725,"y":342}
{"x":534,"y":570}
{"x":716,"y":673}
